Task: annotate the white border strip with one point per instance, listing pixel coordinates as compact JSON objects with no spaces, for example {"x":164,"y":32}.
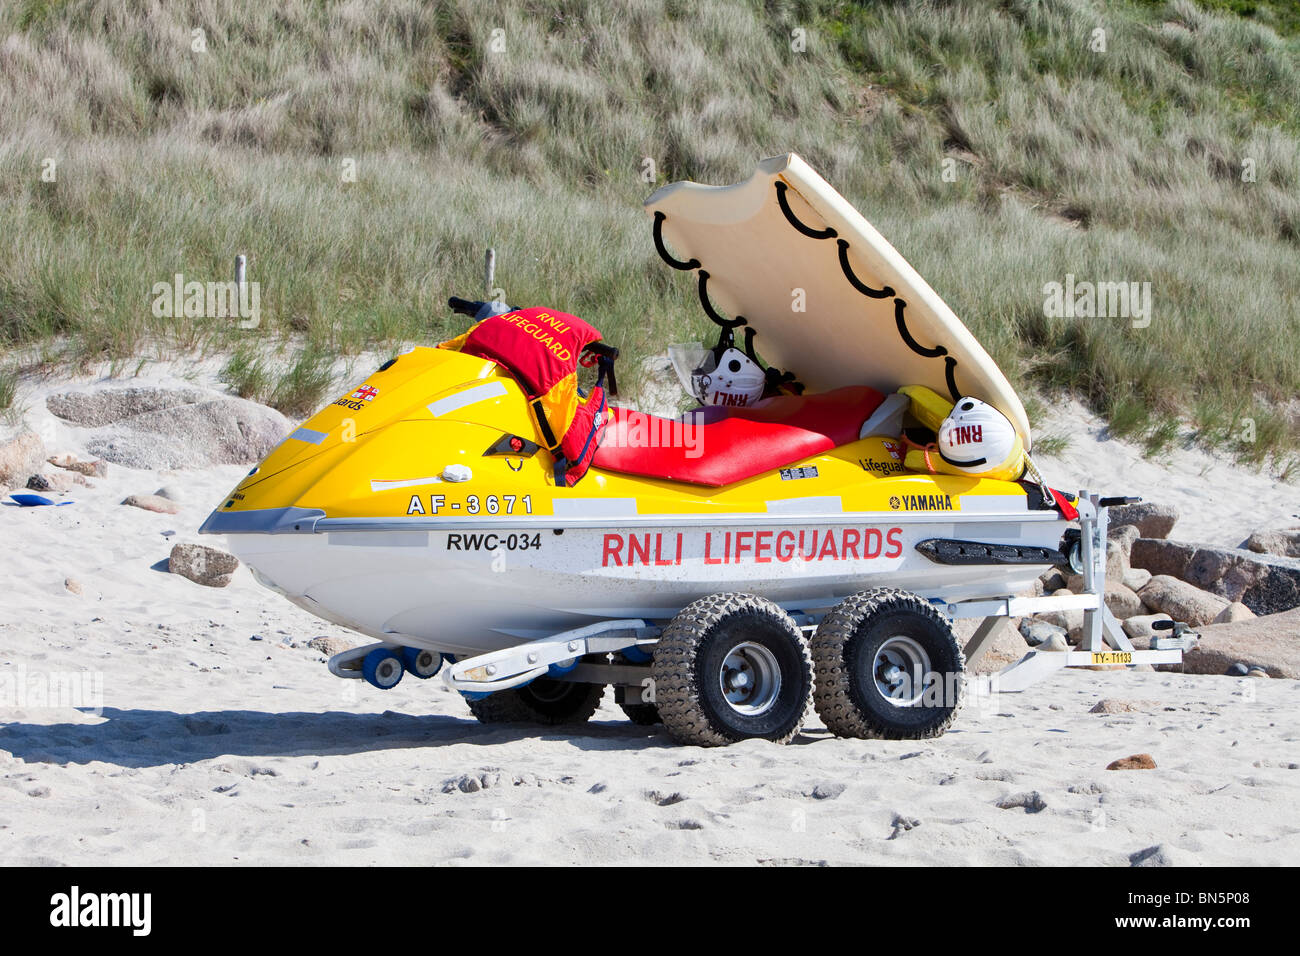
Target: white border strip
{"x":377,"y":485}
{"x":471,"y":396}
{"x":310,"y":436}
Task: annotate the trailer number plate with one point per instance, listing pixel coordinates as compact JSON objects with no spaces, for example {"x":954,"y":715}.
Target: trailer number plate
{"x":1113,"y":657}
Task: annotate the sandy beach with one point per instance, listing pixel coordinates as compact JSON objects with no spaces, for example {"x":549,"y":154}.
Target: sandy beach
{"x":212,"y":734}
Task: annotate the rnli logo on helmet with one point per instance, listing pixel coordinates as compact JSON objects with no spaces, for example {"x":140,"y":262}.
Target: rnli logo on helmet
{"x":967,"y":434}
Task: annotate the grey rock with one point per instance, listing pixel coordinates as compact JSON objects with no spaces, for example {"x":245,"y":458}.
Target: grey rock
{"x":1257,"y":672}
{"x":1152,"y":520}
{"x":1237,"y":670}
{"x":1136,"y":579}
{"x":1236,"y":611}
{"x":1031,"y":802}
{"x":1055,"y":643}
{"x":210,"y":567}
{"x":1160,"y":556}
{"x":158,"y":428}
{"x":91,"y":469}
{"x":94,"y":408}
{"x":50,"y":482}
{"x":1035,"y":631}
{"x":329,"y":646}
{"x":1285,"y":544}
{"x":20,"y":456}
{"x":1068,"y":621}
{"x":1052,"y":580}
{"x":1181,"y":601}
{"x":152,"y":503}
{"x":1270,"y":642}
{"x":1124,"y":535}
{"x":1265,"y":583}
{"x":1123,"y":601}
{"x":1139,"y":628}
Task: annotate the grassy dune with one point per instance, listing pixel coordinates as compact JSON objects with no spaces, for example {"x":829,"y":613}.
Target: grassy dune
{"x":1122,"y":165}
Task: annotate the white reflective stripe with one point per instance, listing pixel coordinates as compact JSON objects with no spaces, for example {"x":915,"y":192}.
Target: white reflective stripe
{"x":993,"y":504}
{"x":594,"y":508}
{"x":817,"y":504}
{"x":471,"y":396}
{"x":309,"y":436}
{"x":377,"y":485}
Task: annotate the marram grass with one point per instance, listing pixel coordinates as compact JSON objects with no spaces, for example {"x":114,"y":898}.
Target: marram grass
{"x":363,"y":154}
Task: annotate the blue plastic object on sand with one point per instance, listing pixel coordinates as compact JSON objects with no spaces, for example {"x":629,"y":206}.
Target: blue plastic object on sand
{"x":31,"y":501}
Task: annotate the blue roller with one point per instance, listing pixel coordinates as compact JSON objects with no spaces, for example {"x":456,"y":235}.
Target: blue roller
{"x":411,"y":660}
{"x":636,"y":654}
{"x":382,"y":668}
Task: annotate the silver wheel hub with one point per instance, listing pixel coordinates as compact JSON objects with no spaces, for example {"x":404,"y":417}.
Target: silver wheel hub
{"x":900,"y":669}
{"x":750,"y":679}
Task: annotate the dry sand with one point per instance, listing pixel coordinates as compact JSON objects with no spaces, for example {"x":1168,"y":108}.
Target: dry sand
{"x":214,"y":748}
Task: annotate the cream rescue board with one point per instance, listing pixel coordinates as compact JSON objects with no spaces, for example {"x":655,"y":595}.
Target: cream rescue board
{"x":870,"y":318}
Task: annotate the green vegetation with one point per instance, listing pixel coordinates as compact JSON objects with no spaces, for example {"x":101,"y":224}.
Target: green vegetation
{"x":1173,"y":157}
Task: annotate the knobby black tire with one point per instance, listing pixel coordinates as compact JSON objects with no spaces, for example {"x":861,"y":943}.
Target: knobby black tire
{"x":692,"y":710}
{"x":846,"y":697}
{"x":553,"y":703}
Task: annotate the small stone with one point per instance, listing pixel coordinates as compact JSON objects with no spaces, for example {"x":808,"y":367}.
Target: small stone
{"x":210,"y":567}
{"x":1112,"y":705}
{"x":152,"y":503}
{"x":50,"y":482}
{"x":170,"y":492}
{"x":329,"y":646}
{"x":73,"y":585}
{"x":1257,"y":672}
{"x":828,"y":791}
{"x":1031,"y":802}
{"x":90,"y":469}
{"x":1133,"y":762}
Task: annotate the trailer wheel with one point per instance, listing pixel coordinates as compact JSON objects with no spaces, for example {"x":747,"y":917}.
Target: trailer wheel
{"x":888,"y":665}
{"x":544,"y":701}
{"x":732,"y":667}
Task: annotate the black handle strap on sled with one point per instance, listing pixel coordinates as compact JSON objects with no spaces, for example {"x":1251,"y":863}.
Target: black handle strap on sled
{"x":603,"y":356}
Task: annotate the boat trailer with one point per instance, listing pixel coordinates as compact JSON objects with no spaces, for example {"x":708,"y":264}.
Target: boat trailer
{"x":626,"y":644}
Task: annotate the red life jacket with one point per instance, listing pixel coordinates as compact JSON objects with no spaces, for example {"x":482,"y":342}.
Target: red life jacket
{"x":540,"y":348}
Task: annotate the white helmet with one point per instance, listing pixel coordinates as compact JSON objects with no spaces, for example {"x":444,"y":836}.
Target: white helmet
{"x":736,"y":379}
{"x":977,"y":439}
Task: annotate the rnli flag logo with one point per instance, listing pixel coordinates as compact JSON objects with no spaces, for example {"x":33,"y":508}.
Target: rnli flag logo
{"x":366,"y":393}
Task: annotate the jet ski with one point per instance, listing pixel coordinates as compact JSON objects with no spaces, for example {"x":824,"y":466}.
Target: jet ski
{"x":481,"y":508}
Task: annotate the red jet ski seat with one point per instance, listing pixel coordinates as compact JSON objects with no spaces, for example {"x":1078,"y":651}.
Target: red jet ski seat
{"x":742,"y":443}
